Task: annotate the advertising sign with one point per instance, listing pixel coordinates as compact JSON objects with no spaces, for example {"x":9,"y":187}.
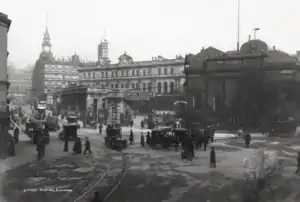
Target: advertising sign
{"x":138,"y":95}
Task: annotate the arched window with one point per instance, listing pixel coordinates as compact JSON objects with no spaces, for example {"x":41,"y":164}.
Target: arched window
{"x":172,"y":87}
{"x":159,"y":88}
{"x":149,"y":87}
{"x":144,"y":87}
{"x":165,"y":87}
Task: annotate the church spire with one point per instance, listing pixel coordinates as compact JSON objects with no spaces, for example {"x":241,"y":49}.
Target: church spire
{"x":46,"y":45}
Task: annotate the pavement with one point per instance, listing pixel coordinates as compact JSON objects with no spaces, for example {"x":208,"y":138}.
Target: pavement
{"x":161,"y":176}
{"x":63,"y":179}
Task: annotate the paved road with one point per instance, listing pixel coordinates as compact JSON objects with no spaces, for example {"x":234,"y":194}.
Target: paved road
{"x":63,"y":179}
{"x":161,"y":176}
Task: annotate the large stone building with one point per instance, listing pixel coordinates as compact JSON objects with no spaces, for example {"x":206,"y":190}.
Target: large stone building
{"x":160,"y":75}
{"x":51,"y":73}
{"x":4,"y":84}
{"x":221,"y":84}
{"x":20,"y":83}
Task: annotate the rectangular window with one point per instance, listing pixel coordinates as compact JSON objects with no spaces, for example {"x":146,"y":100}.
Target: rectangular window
{"x":137,"y":72}
{"x":106,"y":74}
{"x":165,"y":71}
{"x":144,"y":72}
{"x":94,"y":74}
{"x":122,"y":85}
{"x":159,"y":71}
{"x":172,"y":71}
{"x":102,"y":74}
{"x":111,"y":86}
{"x":116,"y":85}
{"x":132,"y":86}
{"x":127,"y":85}
{"x":132,"y":73}
{"x":122,"y":73}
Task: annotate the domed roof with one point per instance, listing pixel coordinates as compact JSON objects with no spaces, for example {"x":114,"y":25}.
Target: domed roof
{"x":276,"y":56}
{"x":209,"y":52}
{"x":254,"y":46}
{"x":125,"y":56}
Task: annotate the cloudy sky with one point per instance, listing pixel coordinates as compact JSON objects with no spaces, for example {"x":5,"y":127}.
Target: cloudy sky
{"x":146,"y":28}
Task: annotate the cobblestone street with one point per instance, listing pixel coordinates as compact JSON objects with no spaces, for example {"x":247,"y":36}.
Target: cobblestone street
{"x":70,"y":176}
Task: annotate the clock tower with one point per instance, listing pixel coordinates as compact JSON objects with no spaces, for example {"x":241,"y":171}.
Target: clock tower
{"x":46,"y":45}
{"x":103,"y":52}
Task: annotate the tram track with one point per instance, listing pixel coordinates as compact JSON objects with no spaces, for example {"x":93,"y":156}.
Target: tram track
{"x":102,"y":185}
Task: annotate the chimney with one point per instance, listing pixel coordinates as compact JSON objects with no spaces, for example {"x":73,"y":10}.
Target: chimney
{"x":249,"y":39}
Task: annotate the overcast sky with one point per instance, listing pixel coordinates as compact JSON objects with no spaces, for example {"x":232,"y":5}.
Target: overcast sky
{"x":146,"y":28}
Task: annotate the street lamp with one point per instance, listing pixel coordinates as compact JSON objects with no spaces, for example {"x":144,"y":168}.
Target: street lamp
{"x":254,"y":31}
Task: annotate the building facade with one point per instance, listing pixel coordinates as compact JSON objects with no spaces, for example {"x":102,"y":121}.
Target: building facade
{"x":220,"y":85}
{"x":20,"y":84}
{"x":4,"y":84}
{"x":51,"y":73}
{"x":158,"y":75}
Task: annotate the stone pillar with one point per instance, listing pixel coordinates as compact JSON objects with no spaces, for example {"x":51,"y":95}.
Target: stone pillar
{"x":4,"y":84}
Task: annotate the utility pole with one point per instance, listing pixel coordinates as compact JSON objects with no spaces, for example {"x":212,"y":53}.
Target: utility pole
{"x":238,"y":27}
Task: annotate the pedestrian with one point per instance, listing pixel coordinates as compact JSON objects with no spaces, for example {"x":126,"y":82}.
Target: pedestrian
{"x":87,"y":146}
{"x":247,"y":139}
{"x":16,"y":135}
{"x":11,"y":146}
{"x":212,"y":133}
{"x":142,"y":124}
{"x":131,"y":123}
{"x":77,"y":148}
{"x":100,"y":129}
{"x":142,"y":140}
{"x":206,"y":138}
{"x":40,"y":148}
{"x":131,"y":138}
{"x":212,"y":158}
{"x":298,"y":162}
{"x":148,"y":138}
{"x":96,"y":197}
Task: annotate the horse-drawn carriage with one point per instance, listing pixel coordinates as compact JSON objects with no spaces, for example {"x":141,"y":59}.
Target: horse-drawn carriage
{"x":69,"y":131}
{"x":167,"y":137}
{"x":114,"y":138}
{"x":35,"y":130}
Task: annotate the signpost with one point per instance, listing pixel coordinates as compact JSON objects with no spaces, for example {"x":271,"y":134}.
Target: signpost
{"x":138,"y":95}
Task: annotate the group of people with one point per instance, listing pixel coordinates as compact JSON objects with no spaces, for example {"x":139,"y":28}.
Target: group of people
{"x":77,"y":147}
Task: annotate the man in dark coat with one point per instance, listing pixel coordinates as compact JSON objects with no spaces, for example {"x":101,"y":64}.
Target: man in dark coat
{"x":131,"y":123}
{"x":212,"y":133}
{"x":100,"y":129}
{"x":205,"y":138}
{"x":41,"y":145}
{"x":131,"y":138}
{"x":142,"y":124}
{"x":247,"y":139}
{"x":148,"y":138}
{"x":16,"y":135}
{"x":212,"y":158}
{"x":77,"y":149}
{"x":87,"y":146}
{"x":142,"y":140}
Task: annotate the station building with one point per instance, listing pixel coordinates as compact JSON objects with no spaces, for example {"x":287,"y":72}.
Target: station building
{"x":214,"y":81}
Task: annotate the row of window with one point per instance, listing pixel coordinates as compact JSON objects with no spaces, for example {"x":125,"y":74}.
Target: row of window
{"x":160,"y":88}
{"x":126,"y":73}
{"x":58,"y":76}
{"x":58,"y":83}
{"x":63,"y":67}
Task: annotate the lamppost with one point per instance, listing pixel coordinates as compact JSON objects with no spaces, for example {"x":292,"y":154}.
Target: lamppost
{"x":186,"y":67}
{"x":254,"y":32}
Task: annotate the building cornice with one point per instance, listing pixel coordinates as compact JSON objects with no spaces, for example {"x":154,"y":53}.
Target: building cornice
{"x":143,"y":64}
{"x":4,"y":19}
